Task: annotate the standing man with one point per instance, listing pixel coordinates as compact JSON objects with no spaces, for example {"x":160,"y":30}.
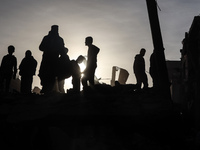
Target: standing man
{"x":27,"y":70}
{"x":139,"y":70}
{"x":8,"y":69}
{"x":91,"y":62}
{"x":52,"y":46}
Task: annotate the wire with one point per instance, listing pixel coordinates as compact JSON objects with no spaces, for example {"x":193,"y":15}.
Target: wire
{"x":157,"y":5}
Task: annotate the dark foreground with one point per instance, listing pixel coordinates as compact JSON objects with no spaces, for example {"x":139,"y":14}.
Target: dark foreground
{"x":98,"y":120}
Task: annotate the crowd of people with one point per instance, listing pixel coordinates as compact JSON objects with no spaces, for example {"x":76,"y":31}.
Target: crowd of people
{"x":57,"y":66}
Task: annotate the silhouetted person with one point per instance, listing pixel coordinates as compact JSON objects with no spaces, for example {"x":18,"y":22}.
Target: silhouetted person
{"x":91,"y":62}
{"x":52,"y":46}
{"x":63,"y":70}
{"x":8,"y":69}
{"x":67,"y":69}
{"x":76,"y":72}
{"x":153,"y":70}
{"x":139,"y":70}
{"x":27,"y":69}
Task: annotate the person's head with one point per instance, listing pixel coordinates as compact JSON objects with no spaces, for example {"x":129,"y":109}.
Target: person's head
{"x":80,"y":59}
{"x":64,"y":52}
{"x":88,"y":40}
{"x":11,"y":49}
{"x":28,"y":53}
{"x":54,"y":29}
{"x":142,"y":52}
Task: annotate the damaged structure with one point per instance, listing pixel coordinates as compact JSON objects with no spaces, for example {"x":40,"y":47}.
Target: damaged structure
{"x":122,"y":77}
{"x":190,"y":71}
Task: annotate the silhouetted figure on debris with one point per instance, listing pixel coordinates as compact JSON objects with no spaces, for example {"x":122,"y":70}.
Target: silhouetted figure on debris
{"x":91,"y":62}
{"x":153,"y":70}
{"x":76,"y":73}
{"x":8,"y":69}
{"x":139,"y":70}
{"x":52,"y":46}
{"x":66,"y":69}
{"x":27,"y":69}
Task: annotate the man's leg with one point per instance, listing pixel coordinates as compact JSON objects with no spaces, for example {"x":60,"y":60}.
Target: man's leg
{"x":91,"y":75}
{"x":8,"y":80}
{"x":76,"y":76}
{"x":61,"y":85}
{"x":84,"y":81}
{"x":76,"y":83}
{"x":139,"y":82}
{"x":145,"y":81}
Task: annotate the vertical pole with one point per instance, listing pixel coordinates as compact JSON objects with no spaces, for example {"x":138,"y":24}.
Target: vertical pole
{"x":114,"y":69}
{"x":163,"y":80}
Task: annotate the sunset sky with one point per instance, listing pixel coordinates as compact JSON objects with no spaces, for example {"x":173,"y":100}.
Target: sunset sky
{"x":120,"y":28}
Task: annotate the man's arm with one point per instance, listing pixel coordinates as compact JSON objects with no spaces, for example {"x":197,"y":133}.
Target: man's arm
{"x":43,"y":45}
{"x":15,"y":68}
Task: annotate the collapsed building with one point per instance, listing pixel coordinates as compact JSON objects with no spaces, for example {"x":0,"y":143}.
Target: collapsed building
{"x":184,"y":75}
{"x":190,"y":71}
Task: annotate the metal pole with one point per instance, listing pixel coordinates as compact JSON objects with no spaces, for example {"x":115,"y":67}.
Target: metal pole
{"x":163,"y":80}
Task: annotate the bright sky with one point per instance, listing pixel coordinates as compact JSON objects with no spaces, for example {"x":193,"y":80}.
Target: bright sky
{"x":120,"y":28}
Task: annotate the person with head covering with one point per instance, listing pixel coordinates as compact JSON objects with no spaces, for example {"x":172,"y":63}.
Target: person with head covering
{"x":52,"y":46}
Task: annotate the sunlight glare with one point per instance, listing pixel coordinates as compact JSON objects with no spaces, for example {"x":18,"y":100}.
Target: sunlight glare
{"x":82,"y":66}
{"x":68,"y":81}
